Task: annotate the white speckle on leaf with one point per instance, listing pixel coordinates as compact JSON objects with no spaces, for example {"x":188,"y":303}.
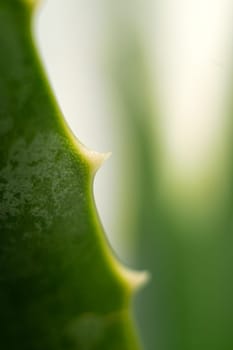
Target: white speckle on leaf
{"x":36,"y":180}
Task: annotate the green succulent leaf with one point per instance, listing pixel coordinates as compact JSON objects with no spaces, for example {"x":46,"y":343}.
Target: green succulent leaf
{"x":60,"y":286}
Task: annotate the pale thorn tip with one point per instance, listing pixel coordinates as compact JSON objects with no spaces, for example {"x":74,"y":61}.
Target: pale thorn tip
{"x":136,"y":279}
{"x":95,"y":159}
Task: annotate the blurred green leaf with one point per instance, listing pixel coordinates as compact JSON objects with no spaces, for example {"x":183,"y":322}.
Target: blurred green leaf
{"x":182,"y":231}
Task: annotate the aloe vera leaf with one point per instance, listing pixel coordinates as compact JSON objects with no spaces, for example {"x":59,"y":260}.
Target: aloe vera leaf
{"x":60,"y":286}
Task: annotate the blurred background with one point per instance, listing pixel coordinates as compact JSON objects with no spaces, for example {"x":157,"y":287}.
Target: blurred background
{"x":149,"y":81}
{"x":188,"y":48}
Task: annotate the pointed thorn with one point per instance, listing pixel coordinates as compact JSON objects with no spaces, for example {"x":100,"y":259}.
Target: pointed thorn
{"x":136,"y":279}
{"x":95,"y":159}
